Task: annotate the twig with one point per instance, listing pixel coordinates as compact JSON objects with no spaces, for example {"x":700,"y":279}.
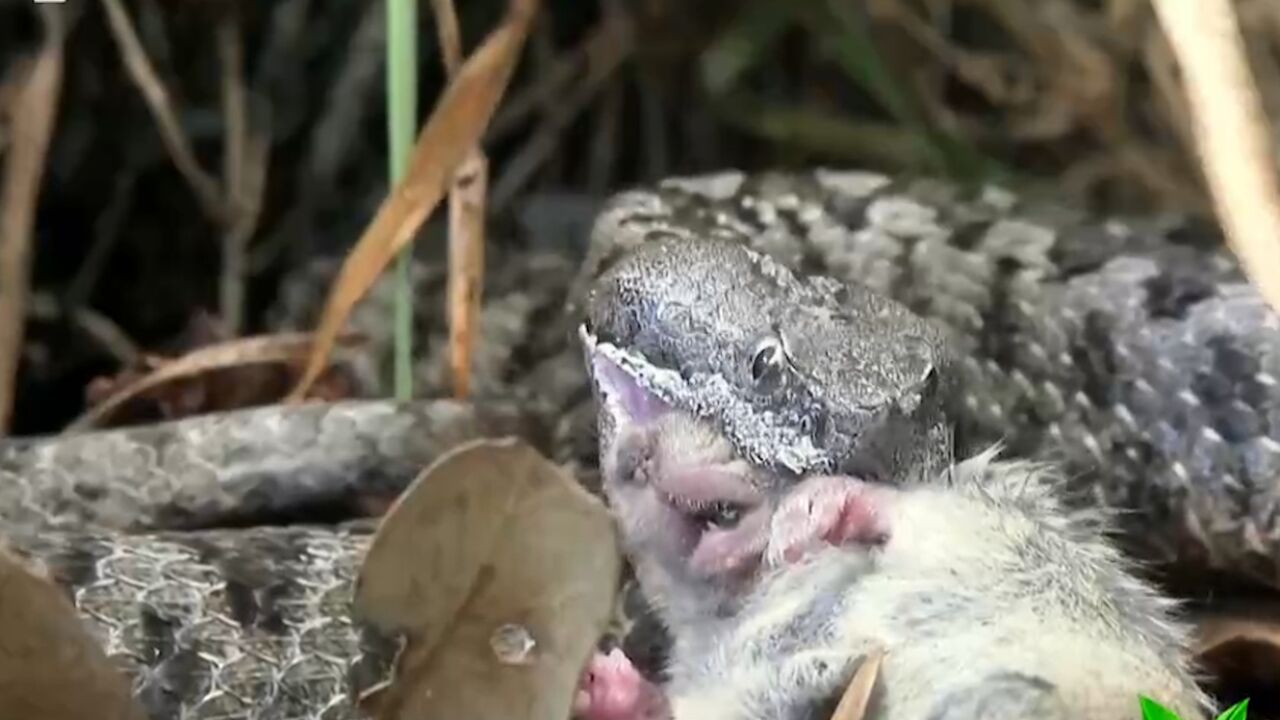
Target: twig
{"x":604,"y":141}
{"x":553,"y":81}
{"x":542,"y":58}
{"x":601,"y":66}
{"x":1231,"y":131}
{"x":653,"y":123}
{"x":449,"y":34}
{"x":813,"y":129}
{"x":34,"y":113}
{"x":155,"y":94}
{"x":335,"y":137}
{"x":455,"y":127}
{"x":43,"y":306}
{"x":346,"y":104}
{"x":279,"y":348}
{"x":106,"y":231}
{"x":107,"y":334}
{"x":466,"y":265}
{"x":245,"y":150}
{"x":235,"y":141}
{"x":466,"y":224}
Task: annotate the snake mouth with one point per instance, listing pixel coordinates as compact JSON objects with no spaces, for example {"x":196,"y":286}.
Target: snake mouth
{"x":630,"y":387}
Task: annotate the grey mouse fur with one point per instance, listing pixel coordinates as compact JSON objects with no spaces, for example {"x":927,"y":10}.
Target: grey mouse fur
{"x":991,"y":599}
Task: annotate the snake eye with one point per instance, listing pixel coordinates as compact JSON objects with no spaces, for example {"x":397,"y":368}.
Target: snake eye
{"x":814,"y":423}
{"x":721,"y":515}
{"x":767,"y":363}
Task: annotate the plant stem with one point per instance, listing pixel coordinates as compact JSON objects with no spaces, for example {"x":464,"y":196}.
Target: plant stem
{"x":402,"y":122}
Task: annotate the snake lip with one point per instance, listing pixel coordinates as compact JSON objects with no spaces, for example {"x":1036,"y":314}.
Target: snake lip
{"x":627,"y":382}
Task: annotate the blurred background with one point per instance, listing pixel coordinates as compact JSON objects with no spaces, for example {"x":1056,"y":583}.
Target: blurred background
{"x":1074,"y":99}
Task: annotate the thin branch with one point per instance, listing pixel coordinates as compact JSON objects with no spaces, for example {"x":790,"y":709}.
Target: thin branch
{"x":553,"y":81}
{"x":467,"y":195}
{"x":602,"y":158}
{"x":449,"y":34}
{"x":106,"y":231}
{"x":600,"y":67}
{"x":155,"y":94}
{"x":335,"y":138}
{"x":34,"y":113}
{"x":243,"y":174}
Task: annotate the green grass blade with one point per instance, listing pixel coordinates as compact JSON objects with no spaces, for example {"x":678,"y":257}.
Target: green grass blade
{"x":1152,"y":710}
{"x":1239,"y":711}
{"x":402,"y":124}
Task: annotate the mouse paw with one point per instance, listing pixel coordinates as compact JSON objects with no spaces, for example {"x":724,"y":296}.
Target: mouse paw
{"x":611,"y":688}
{"x":825,"y":510}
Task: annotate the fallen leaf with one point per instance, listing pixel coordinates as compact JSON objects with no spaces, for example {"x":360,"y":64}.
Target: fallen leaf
{"x":857,"y":697}
{"x":280,"y":348}
{"x":1232,"y":133}
{"x":1239,"y":647}
{"x":31,"y":118}
{"x":501,"y":572}
{"x":50,"y":666}
{"x":453,"y":130}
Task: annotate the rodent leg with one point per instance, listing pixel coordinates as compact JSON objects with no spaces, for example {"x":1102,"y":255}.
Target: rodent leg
{"x":826,"y":510}
{"x":612,"y":688}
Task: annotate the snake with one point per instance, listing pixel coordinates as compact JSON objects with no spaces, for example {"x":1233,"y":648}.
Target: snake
{"x":212,"y":555}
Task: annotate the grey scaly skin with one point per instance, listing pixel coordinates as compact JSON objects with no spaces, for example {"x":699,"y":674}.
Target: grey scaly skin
{"x":804,"y":375}
{"x":253,"y":624}
{"x":310,"y":463}
{"x":171,"y":541}
{"x":1135,"y":355}
{"x":1036,"y":300}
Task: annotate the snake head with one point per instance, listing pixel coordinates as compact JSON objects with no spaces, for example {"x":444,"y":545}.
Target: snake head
{"x":804,"y":375}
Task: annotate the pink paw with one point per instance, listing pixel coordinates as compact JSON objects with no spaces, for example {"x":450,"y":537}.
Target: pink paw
{"x":825,"y":510}
{"x":612,"y":688}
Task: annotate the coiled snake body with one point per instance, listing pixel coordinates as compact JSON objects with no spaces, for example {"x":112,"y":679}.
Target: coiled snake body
{"x":1133,"y":353}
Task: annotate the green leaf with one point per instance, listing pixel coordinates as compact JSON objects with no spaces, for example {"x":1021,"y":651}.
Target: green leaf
{"x":1152,"y":710}
{"x":1239,"y":711}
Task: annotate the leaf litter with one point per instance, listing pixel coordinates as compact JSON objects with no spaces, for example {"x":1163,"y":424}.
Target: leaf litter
{"x":501,"y":574}
{"x":51,"y":667}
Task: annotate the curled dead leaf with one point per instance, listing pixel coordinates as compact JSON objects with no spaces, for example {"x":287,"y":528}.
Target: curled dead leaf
{"x":1239,"y":647}
{"x":50,"y":666}
{"x":501,"y":572}
{"x":287,"y":348}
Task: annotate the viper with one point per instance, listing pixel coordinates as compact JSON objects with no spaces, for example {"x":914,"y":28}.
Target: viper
{"x":1134,"y":354}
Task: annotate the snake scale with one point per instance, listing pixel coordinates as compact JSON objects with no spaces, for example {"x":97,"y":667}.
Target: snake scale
{"x":1133,"y":352}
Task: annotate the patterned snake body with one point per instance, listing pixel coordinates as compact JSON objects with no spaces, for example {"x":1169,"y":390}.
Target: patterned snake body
{"x":1135,"y":354}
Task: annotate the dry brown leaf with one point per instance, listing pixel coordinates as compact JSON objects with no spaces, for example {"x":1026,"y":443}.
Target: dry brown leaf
{"x":32,"y":117}
{"x":249,"y":383}
{"x":454,"y":128}
{"x":466,"y":266}
{"x":857,"y":697}
{"x":280,"y":348}
{"x":1240,"y":646}
{"x":50,"y":666}
{"x":491,"y":545}
{"x":1231,"y":131}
